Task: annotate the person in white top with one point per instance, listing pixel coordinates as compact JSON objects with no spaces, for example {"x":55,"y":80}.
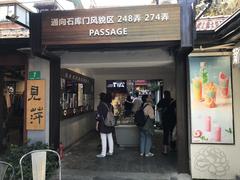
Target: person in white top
{"x":137,"y":103}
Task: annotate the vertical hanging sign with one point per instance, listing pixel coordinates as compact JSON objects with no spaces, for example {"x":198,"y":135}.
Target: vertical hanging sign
{"x":35,"y":105}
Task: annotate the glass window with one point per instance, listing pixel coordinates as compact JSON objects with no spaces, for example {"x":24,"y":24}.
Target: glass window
{"x":27,"y":18}
{"x":10,"y":10}
{"x":3,"y":13}
{"x":6,"y":10}
{"x":21,"y":13}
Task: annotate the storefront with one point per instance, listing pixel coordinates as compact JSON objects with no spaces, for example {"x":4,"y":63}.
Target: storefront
{"x":213,"y":113}
{"x":78,"y":54}
{"x":142,"y":36}
{"x":12,"y":90}
{"x":123,"y":93}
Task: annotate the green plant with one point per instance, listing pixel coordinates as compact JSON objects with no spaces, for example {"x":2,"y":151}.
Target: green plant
{"x":14,"y":153}
{"x":154,"y":87}
{"x":225,"y":7}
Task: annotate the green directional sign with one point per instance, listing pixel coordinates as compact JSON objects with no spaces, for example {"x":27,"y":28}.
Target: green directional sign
{"x":34,"y":75}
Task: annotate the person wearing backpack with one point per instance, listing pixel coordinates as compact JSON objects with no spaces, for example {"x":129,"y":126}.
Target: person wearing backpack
{"x":105,"y":130}
{"x":146,"y":132}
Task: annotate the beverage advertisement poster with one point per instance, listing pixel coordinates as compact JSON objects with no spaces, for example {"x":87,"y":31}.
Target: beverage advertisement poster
{"x":211,"y":100}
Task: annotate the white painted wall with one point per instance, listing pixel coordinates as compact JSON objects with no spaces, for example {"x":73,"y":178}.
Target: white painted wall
{"x":42,"y":65}
{"x":72,"y":129}
{"x":228,"y":155}
{"x":117,"y":59}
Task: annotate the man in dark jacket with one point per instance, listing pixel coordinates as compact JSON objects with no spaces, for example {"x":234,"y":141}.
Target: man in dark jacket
{"x":167,"y":109}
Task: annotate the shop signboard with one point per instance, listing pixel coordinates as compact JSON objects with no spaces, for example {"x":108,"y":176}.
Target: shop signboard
{"x":34,"y":75}
{"x":236,"y":56}
{"x":211,"y":100}
{"x":111,"y":25}
{"x":117,"y":86}
{"x":35,"y":105}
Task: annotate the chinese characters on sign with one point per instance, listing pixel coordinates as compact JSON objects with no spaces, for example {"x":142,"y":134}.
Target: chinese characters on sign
{"x":98,"y":20}
{"x":112,"y":25}
{"x":35,"y":105}
{"x":109,"y":19}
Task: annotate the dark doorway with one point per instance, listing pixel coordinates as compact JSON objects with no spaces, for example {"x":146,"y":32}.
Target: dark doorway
{"x":12,"y":89}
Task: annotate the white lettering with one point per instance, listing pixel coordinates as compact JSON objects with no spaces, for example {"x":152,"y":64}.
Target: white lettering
{"x":113,"y":32}
{"x":164,"y":16}
{"x":137,"y":18}
{"x":94,"y":20}
{"x":96,"y":32}
{"x":118,"y":84}
{"x":85,"y":20}
{"x":54,"y":22}
{"x":91,"y":31}
{"x":102,"y":20}
{"x":62,"y":22}
{"x":125,"y":31}
{"x":130,"y":18}
{"x":101,"y":32}
{"x":78,"y":20}
{"x":70,"y":21}
{"x":110,"y":20}
{"x":108,"y":32}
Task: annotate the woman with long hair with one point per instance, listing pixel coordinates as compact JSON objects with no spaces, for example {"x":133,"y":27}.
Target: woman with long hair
{"x":146,"y":132}
{"x":105,"y":131}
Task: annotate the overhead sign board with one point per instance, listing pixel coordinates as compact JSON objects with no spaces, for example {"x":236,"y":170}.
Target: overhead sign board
{"x":116,"y":85}
{"x":111,"y":25}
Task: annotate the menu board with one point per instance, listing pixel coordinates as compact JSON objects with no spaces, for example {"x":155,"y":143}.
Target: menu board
{"x":211,"y":100}
{"x":76,"y":93}
{"x":80,"y":94}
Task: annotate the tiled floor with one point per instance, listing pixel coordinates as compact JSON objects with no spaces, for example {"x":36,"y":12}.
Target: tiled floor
{"x":80,"y":162}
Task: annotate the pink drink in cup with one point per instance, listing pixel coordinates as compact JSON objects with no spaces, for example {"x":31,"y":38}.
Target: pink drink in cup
{"x":208,"y":123}
{"x":223,"y":84}
{"x":218,"y":133}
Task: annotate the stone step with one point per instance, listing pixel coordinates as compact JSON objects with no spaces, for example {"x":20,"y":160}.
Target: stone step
{"x":75,"y":174}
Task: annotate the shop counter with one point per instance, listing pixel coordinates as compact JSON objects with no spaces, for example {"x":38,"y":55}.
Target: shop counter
{"x":127,"y":135}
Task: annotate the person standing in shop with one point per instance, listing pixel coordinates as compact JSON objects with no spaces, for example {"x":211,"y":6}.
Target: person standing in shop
{"x":105,"y":131}
{"x":167,"y":108}
{"x":147,"y":131}
{"x":137,"y":103}
{"x":102,"y":95}
{"x":128,"y":106}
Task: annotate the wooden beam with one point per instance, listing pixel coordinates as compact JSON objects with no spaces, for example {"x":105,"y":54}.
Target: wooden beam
{"x":35,"y":33}
{"x":187,"y":22}
{"x":55,"y":74}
